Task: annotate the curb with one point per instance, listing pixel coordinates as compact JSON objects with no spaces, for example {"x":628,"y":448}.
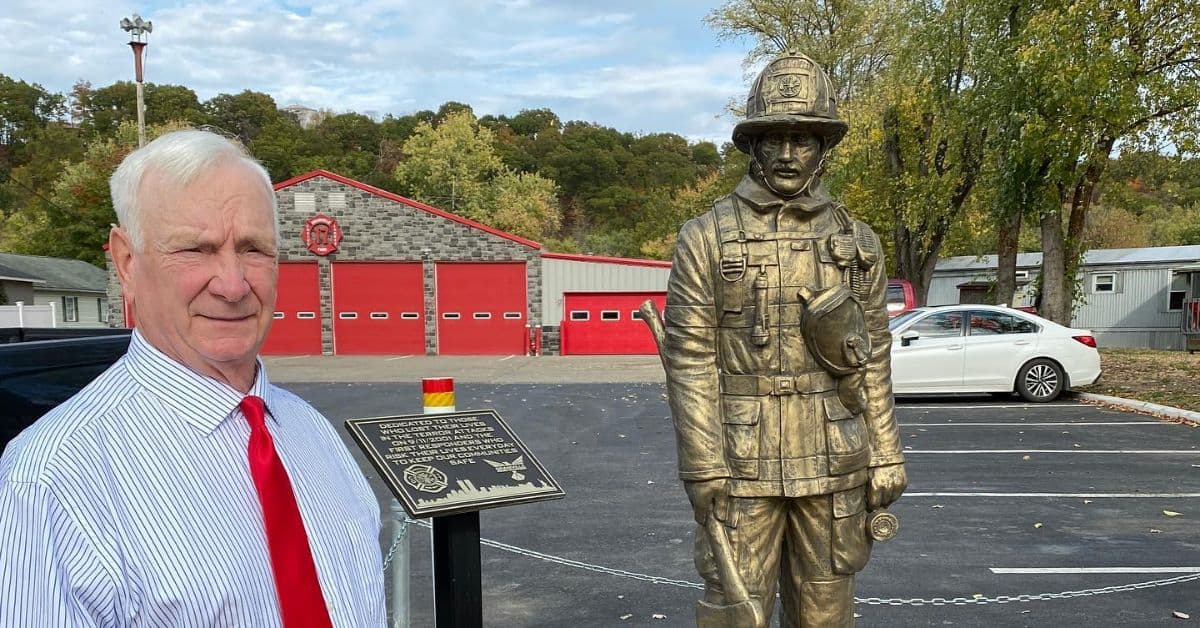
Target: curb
{"x":1146,"y":407}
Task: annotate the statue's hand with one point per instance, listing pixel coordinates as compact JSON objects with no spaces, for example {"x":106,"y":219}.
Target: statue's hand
{"x":887,"y":483}
{"x":708,"y":495}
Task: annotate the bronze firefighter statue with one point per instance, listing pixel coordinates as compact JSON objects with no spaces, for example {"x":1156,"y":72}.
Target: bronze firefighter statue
{"x":777,"y":354}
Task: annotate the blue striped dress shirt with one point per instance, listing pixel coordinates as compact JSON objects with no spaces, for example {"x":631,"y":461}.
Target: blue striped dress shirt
{"x":132,"y":505}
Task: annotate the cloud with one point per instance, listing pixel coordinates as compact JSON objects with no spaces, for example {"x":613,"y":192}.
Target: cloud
{"x":627,"y":66}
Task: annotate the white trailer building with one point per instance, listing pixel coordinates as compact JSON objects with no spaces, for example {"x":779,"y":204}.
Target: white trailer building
{"x":1131,"y":297}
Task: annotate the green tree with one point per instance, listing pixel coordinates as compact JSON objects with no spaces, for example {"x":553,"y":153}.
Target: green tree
{"x":33,"y":142}
{"x":244,"y":114}
{"x":281,"y":145}
{"x":661,"y":227}
{"x":1089,"y":74}
{"x":454,"y":165}
{"x":347,"y":143}
{"x":74,"y":220}
{"x":450,"y":165}
{"x":524,"y":203}
{"x":914,"y":151}
{"x":109,"y":107}
{"x":853,"y":41}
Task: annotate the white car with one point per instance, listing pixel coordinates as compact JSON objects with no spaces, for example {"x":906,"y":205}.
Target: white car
{"x":987,"y":348}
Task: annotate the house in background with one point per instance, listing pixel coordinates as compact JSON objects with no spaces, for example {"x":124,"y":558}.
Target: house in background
{"x":1131,"y":297}
{"x":77,"y":290}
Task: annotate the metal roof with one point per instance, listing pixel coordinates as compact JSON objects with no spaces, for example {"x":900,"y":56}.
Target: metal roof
{"x":56,"y":273}
{"x":1096,"y":257}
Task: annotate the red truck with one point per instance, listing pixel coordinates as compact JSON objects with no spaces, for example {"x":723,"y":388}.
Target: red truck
{"x":900,"y":296}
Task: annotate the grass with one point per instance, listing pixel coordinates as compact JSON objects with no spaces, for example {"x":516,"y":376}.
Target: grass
{"x":1170,"y":378}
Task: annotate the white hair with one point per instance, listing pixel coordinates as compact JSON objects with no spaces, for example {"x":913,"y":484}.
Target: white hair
{"x":179,"y":157}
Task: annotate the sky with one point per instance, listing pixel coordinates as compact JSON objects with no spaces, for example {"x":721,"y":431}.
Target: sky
{"x":642,"y":66}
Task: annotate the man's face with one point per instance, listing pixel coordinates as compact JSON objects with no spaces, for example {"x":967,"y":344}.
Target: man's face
{"x":788,"y":160}
{"x":203,"y":285}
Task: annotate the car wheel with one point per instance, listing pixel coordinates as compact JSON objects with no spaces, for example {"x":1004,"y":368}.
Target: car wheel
{"x":1040,"y":380}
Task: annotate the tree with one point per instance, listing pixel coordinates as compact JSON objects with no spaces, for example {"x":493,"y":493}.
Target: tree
{"x":280,"y":145}
{"x":244,"y":114}
{"x":25,"y":110}
{"x":1091,"y":73}
{"x":661,"y":227}
{"x":450,"y":165}
{"x":109,"y":107}
{"x":525,"y":204}
{"x":454,"y":165}
{"x":74,"y":220}
{"x":914,"y":151}
{"x":852,"y":41}
{"x":347,"y":143}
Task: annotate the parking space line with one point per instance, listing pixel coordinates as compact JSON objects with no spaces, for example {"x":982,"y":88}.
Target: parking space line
{"x":979,"y":406}
{"x":1054,"y":495}
{"x":399,"y":357}
{"x":1065,"y":570}
{"x":1158,"y":452}
{"x":1048,"y":424}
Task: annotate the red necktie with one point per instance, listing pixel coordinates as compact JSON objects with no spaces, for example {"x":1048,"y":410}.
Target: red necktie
{"x":300,"y":601}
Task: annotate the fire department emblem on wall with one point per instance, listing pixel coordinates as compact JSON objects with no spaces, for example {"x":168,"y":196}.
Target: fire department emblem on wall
{"x":321,"y":234}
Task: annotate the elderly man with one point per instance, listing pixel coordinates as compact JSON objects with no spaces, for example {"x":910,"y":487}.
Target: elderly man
{"x":778,"y":372}
{"x":181,"y":488}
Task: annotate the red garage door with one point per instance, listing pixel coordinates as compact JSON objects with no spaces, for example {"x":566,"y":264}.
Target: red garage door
{"x":481,"y":308}
{"x":607,"y":323}
{"x":296,"y":329}
{"x":378,"y":308}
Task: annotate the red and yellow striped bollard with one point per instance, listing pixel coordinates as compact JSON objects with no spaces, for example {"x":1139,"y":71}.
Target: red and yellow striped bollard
{"x":437,"y":394}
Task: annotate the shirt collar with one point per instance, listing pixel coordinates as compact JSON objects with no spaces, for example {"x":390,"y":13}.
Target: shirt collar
{"x":761,"y":199}
{"x":198,"y":399}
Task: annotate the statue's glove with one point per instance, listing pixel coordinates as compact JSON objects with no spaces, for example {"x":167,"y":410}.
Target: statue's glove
{"x":708,"y":495}
{"x":887,"y":483}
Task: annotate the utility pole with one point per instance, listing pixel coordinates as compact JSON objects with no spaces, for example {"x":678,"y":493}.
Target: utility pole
{"x":138,"y":29}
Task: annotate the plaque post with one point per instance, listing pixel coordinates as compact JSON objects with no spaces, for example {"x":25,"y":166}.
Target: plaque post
{"x":457,"y":572}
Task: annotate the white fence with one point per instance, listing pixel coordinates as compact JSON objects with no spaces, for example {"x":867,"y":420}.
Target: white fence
{"x":21,"y":315}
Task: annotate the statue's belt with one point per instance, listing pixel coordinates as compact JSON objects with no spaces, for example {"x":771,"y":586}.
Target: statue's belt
{"x":761,"y":385}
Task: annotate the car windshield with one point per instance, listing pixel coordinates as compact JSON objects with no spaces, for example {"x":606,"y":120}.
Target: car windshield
{"x":901,"y":319}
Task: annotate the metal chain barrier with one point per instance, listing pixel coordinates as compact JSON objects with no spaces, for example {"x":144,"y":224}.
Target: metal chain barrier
{"x":870,"y":601}
{"x":1026,"y":597}
{"x":400,"y":534}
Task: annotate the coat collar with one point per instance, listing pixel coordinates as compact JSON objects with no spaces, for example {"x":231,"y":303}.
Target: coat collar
{"x":762,"y":200}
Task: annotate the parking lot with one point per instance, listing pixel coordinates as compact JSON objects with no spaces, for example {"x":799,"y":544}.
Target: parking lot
{"x":1015,"y":515}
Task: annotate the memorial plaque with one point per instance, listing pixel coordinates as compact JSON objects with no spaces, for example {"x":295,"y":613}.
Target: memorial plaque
{"x":440,"y":464}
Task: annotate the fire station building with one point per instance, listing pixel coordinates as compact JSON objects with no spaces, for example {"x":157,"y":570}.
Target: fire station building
{"x":366,"y":271}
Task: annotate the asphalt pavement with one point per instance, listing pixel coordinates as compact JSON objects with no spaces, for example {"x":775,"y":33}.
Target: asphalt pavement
{"x":1016,"y":514}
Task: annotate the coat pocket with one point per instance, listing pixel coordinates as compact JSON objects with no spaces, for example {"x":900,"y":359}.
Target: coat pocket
{"x":846,"y":435}
{"x":835,"y":410}
{"x":851,"y":545}
{"x":740,"y":416}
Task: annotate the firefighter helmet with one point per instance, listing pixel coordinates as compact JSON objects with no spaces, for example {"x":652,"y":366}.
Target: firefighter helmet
{"x":792,"y":91}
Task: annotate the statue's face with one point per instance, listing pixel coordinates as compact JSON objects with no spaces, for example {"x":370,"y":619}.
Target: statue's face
{"x":788,"y":160}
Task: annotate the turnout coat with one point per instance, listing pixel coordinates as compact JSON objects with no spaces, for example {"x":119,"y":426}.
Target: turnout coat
{"x":750,"y":400}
